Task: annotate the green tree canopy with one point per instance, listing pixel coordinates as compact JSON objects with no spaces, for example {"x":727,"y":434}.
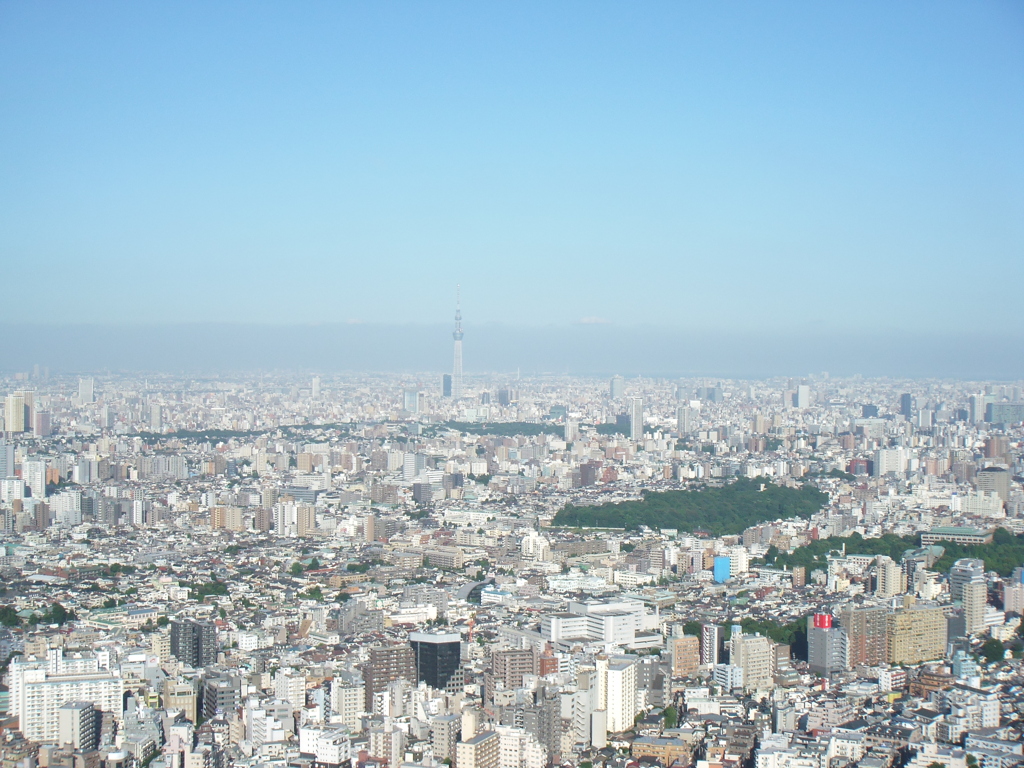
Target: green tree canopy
{"x":718,"y":511}
{"x":57,"y":614}
{"x":993,"y":650}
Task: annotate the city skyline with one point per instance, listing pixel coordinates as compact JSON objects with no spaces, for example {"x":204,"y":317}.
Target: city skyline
{"x":581,"y":349}
{"x":336,"y":566}
{"x":586,"y":384}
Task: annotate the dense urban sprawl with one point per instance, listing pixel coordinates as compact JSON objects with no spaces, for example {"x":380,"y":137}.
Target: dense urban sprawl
{"x":269,"y":571}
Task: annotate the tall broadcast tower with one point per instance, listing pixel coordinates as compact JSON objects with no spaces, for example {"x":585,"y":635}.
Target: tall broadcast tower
{"x":457,"y":335}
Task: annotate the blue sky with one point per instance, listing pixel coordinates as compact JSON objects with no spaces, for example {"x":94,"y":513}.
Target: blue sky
{"x":744,"y":166}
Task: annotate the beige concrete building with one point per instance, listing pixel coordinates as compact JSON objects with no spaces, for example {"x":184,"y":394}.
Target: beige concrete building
{"x":685,"y":655}
{"x":916,"y":634}
{"x":182,"y":696}
{"x":481,"y":751}
{"x":753,"y":654}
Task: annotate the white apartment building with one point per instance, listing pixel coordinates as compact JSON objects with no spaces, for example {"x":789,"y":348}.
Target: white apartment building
{"x":347,"y":702}
{"x":753,"y":654}
{"x":330,"y":746}
{"x":40,"y":687}
{"x":519,"y":749}
{"x":290,"y":686}
{"x":617,"y":691}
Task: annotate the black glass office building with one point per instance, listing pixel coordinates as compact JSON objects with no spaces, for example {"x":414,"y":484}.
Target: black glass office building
{"x":438,"y":657}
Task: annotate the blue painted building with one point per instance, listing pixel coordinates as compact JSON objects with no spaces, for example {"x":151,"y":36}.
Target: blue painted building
{"x":722,"y":569}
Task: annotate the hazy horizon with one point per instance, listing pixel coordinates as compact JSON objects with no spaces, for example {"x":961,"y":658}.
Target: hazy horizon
{"x":787,"y":168}
{"x":493,"y":348}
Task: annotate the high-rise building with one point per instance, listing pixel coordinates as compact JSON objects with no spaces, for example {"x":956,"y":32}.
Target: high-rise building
{"x":994,"y":480}
{"x":916,"y":634}
{"x":799,"y":576}
{"x":305,"y":520}
{"x":30,"y":408}
{"x":438,"y":657}
{"x":684,"y":420}
{"x":78,"y":725}
{"x":386,"y":664}
{"x":968,"y":586}
{"x":907,"y":404}
{"x":182,"y":696}
{"x":520,"y":748}
{"x":572,"y":430}
{"x":997,"y":446}
{"x":290,"y":686}
{"x":890,"y":460}
{"x":636,"y":418}
{"x":411,"y":398}
{"x":710,"y":644}
{"x":315,"y":387}
{"x":6,"y":459}
{"x":1004,"y":413}
{"x":39,"y":687}
{"x":977,"y":405}
{"x":964,"y":571}
{"x":412,"y":465}
{"x":221,"y":692}
{"x":156,"y":418}
{"x":685,"y":655}
{"x":480,"y":751}
{"x":802,"y":397}
{"x":1013,"y":597}
{"x":41,"y":426}
{"x":348,"y":696}
{"x":14,"y":412}
{"x":866,"y":631}
{"x":729,"y":676}
{"x":444,"y":735}
{"x":194,"y":642}
{"x":85,"y":390}
{"x":713,"y":394}
{"x":34,"y":475}
{"x":617,"y":680}
{"x":975,"y":600}
{"x":826,"y":646}
{"x":617,"y":387}
{"x":889,"y":578}
{"x":446,"y":385}
{"x":457,"y":336}
{"x":508,"y":668}
{"x":753,"y":654}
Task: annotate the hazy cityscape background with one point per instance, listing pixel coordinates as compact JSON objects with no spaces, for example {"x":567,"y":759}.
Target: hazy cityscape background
{"x":584,"y":349}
